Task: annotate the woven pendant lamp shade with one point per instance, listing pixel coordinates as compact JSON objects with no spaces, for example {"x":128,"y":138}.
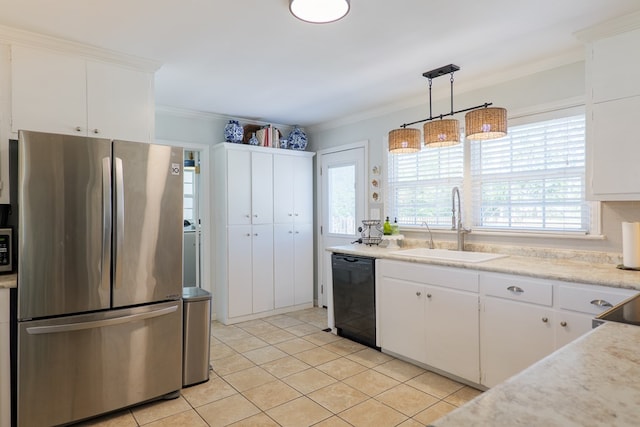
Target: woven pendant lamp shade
{"x":486,"y":123}
{"x":404,"y":140}
{"x":441,"y":133}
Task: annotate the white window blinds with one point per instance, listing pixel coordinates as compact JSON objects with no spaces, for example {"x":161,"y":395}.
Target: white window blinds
{"x":532,"y":179}
{"x":419,"y":185}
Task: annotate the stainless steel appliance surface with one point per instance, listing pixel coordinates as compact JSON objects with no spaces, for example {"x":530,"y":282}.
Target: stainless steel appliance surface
{"x":99,"y":312}
{"x":627,"y":311}
{"x":6,"y":250}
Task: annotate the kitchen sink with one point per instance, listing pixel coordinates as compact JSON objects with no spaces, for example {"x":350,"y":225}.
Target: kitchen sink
{"x":448,"y":255}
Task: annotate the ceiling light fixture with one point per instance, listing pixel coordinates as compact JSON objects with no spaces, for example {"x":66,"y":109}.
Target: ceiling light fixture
{"x":319,"y":11}
{"x":481,"y":122}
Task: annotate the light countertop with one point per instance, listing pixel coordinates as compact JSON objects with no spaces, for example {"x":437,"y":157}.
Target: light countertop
{"x":575,"y":270}
{"x":8,"y":280}
{"x":592,"y":381}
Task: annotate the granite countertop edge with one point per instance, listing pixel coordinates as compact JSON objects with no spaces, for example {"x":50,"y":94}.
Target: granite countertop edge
{"x":8,"y":281}
{"x":562,"y":269}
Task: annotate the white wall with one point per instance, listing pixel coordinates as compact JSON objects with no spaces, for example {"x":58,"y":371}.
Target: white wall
{"x":523,"y":94}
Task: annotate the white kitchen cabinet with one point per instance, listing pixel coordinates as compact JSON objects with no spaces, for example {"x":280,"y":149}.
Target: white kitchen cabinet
{"x":401,"y":308}
{"x":613,"y":99}
{"x":262,"y":268}
{"x":53,"y":92}
{"x":5,"y":126}
{"x":293,"y":177}
{"x":430,"y":314}
{"x":5,"y":380}
{"x":293,"y":264}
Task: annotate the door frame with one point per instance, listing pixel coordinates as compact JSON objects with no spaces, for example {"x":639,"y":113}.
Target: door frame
{"x":319,"y":211}
{"x":206,"y":241}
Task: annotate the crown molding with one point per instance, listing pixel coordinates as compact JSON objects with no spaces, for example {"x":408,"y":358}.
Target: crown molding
{"x":621,"y":24}
{"x":207,"y":116}
{"x":15,"y":36}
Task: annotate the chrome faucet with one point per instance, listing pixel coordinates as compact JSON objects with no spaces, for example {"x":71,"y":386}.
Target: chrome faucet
{"x":430,"y":242}
{"x":456,"y":222}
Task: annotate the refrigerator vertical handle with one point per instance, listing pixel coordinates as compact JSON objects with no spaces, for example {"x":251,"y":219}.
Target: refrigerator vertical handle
{"x":119,"y":223}
{"x":106,"y":222}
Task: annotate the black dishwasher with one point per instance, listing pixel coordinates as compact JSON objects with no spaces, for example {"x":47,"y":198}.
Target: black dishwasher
{"x":354,"y":298}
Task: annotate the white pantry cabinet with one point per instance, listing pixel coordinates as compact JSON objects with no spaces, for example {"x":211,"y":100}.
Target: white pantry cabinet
{"x":263,"y":266}
{"x":5,"y":125}
{"x":5,"y":380}
{"x":613,"y":100}
{"x":59,"y":93}
{"x":430,"y":314}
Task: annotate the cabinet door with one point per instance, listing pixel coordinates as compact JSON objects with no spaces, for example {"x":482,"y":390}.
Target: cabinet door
{"x":239,"y":270}
{"x":262,"y":265}
{"x":284,"y":182}
{"x":303,"y":263}
{"x":453,"y":332}
{"x":119,"y":102}
{"x":570,"y":326}
{"x":283,"y":265}
{"x":402,"y":322}
{"x":48,"y":92}
{"x":614,"y":67}
{"x":303,"y":190}
{"x":261,"y":188}
{"x":238,"y":187}
{"x":613,"y":156}
{"x":514,"y":335}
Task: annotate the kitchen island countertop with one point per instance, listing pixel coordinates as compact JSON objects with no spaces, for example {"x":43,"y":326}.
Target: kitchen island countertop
{"x":569,"y":270}
{"x":592,"y":381}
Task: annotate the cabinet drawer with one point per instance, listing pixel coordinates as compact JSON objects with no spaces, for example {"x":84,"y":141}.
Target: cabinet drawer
{"x":448,"y":277}
{"x":590,"y":299}
{"x":517,"y":288}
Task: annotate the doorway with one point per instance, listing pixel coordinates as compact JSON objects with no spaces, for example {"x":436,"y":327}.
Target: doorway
{"x":191,"y":255}
{"x":342,"y":201}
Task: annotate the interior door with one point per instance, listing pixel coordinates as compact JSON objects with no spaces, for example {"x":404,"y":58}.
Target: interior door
{"x":343,"y":199}
{"x":148,"y":223}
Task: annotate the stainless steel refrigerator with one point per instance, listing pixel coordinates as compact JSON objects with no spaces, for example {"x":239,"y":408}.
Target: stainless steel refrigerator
{"x":99,"y":310}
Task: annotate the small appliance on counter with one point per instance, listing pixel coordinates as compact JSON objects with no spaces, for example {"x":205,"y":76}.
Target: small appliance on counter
{"x":371,"y":234}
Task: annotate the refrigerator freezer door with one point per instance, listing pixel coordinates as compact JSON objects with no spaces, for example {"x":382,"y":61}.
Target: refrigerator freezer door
{"x":64,"y":214}
{"x":102,"y":361}
{"x":148,"y":223}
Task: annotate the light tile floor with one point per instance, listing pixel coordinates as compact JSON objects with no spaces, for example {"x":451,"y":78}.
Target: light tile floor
{"x":285,"y":370}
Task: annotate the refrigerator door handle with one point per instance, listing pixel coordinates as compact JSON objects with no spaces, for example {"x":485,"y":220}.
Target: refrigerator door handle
{"x":119,"y":223}
{"x":93,"y":324}
{"x":106,"y":222}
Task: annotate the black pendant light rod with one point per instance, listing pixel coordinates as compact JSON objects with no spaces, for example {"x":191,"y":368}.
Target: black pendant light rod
{"x":430,"y":75}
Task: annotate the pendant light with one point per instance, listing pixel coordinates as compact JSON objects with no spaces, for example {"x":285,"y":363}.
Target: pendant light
{"x":481,"y":122}
{"x":404,"y":140}
{"x":319,"y":11}
{"x":486,"y":123}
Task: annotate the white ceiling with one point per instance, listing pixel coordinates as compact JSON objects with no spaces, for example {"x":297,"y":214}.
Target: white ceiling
{"x":252,"y":59}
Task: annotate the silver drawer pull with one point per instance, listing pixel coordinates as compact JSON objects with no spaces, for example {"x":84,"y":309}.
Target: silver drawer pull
{"x":545,"y":319}
{"x":515,"y":289}
{"x":563,"y":324}
{"x":601,"y":303}
{"x":418,"y":293}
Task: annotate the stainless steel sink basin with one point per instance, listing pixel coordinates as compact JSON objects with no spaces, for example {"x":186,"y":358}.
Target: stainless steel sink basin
{"x":448,"y":255}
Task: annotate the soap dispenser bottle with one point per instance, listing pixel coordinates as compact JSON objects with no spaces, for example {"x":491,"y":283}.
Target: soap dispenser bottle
{"x":386,"y":227}
{"x":395,"y":229}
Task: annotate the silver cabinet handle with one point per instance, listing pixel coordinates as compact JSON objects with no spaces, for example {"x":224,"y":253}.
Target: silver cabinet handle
{"x":418,"y":293}
{"x":295,"y":214}
{"x":96,"y":131}
{"x":255,"y":234}
{"x":545,"y":320}
{"x":248,"y":234}
{"x":428,"y":295}
{"x":290,"y":232}
{"x":601,"y":303}
{"x":248,"y":216}
{"x":78,"y":129}
{"x":563,"y":324}
{"x":255,"y":215}
{"x":290,"y":214}
{"x":515,"y":289}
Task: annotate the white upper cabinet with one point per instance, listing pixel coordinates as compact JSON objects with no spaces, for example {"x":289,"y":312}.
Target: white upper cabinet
{"x":53,"y":92}
{"x":250,"y":187}
{"x":615,"y":67}
{"x":293,"y":178}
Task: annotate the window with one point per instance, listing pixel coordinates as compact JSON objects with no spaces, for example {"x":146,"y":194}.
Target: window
{"x":342,"y":199}
{"x":531,"y":180}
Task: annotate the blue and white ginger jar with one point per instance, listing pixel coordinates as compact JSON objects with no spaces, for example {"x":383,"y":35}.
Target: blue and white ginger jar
{"x":253,"y":140}
{"x":297,"y":139}
{"x":233,"y":132}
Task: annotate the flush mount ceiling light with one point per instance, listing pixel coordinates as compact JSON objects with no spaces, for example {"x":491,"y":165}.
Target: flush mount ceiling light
{"x":481,"y":122}
{"x":319,"y":11}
